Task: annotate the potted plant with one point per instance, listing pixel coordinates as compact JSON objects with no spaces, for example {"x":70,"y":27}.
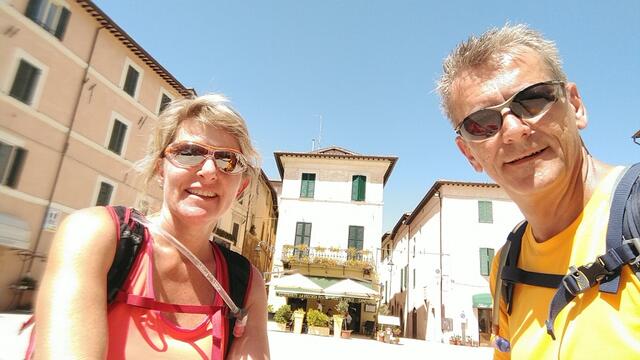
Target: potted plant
{"x":282,"y":317}
{"x":298,"y":317}
{"x":318,"y":322}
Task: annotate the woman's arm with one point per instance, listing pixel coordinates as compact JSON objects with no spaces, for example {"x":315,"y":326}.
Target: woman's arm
{"x":71,"y":308}
{"x":254,"y":344}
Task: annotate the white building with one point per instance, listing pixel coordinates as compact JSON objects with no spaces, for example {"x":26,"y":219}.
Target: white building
{"x":330,"y":198}
{"x":441,"y":255}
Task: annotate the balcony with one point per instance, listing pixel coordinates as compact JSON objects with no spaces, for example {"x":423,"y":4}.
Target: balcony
{"x":347,"y":260}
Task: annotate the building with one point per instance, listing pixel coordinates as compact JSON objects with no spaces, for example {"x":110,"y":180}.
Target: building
{"x":78,"y":100}
{"x":330,"y":222}
{"x":438,"y":259}
{"x":636,"y":137}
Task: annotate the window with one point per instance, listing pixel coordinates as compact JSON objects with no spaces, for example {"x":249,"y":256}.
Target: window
{"x":131,"y":81}
{"x":104,"y":194}
{"x":50,"y":15}
{"x":11,"y":161}
{"x":303,"y":234}
{"x":164,"y":102}
{"x":308,"y":185}
{"x":406,"y":276}
{"x":401,"y":279}
{"x":358,"y":187}
{"x":485,"y":212}
{"x":486,"y":257}
{"x":356,"y":237}
{"x":414,"y":278}
{"x":234,"y":233}
{"x":118,"y":134}
{"x":25,"y":82}
{"x":386,"y":291}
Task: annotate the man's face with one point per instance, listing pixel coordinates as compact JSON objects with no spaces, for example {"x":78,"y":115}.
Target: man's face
{"x":522,"y":157}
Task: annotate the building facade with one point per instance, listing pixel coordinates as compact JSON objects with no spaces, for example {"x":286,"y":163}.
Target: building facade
{"x":329,"y":226}
{"x":440,"y":255}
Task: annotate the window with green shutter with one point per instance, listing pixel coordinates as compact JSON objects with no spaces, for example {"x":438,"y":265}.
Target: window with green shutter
{"x":118,"y":133}
{"x":356,"y":237}
{"x":303,"y":237}
{"x":104,"y":194}
{"x":50,"y":15}
{"x":25,"y":82}
{"x":358,"y":187}
{"x":131,"y":81}
{"x":485,"y":212}
{"x":486,"y":257}
{"x":308,"y":185}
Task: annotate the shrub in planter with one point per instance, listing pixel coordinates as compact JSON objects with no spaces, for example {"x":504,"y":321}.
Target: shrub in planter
{"x":317,"y":318}
{"x":283,"y":314}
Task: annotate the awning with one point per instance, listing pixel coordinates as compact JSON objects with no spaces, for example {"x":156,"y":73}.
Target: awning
{"x":301,"y":286}
{"x":482,"y":301}
{"x":14,"y":232}
{"x":388,"y":320}
{"x":351,"y":288}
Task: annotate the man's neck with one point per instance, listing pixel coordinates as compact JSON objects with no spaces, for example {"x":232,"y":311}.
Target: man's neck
{"x":551,"y":212}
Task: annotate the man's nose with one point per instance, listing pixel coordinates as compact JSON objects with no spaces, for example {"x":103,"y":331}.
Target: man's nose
{"x":513,"y":127}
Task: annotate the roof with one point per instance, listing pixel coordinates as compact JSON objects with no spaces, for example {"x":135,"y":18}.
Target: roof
{"x":110,"y":25}
{"x":335,"y":152}
{"x":434,"y":190}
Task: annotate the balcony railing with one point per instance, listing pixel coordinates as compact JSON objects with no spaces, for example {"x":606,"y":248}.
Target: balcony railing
{"x":352,"y":258}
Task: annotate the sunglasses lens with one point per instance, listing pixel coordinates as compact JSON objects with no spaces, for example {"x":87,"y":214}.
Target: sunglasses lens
{"x":187,"y":154}
{"x":481,"y":124}
{"x":534,"y":100}
{"x":229,"y":162}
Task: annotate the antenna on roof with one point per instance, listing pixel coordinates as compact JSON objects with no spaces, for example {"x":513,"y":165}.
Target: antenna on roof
{"x":320,"y":133}
{"x":313,"y":144}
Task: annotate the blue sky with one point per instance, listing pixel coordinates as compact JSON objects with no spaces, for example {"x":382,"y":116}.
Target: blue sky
{"x":367,"y":69}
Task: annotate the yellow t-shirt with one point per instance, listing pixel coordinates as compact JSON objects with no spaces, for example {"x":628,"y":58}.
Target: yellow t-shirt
{"x":595,"y":325}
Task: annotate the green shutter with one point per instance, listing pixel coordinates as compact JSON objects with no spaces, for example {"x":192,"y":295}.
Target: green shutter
{"x":486,"y":257}
{"x":485,"y":212}
{"x":25,"y":82}
{"x":307,"y":186}
{"x":16,"y":167}
{"x":62,"y":23}
{"x":33,"y":10}
{"x":358,"y":187}
{"x":131,"y":81}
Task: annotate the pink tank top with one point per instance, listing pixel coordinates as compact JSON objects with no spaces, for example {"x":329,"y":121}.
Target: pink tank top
{"x":138,"y":330}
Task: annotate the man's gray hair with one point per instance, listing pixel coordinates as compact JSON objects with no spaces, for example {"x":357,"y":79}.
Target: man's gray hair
{"x":488,"y":49}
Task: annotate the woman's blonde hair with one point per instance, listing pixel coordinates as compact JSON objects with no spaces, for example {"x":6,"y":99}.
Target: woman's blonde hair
{"x":210,"y":110}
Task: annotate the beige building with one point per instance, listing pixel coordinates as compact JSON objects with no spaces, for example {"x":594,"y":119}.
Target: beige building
{"x":78,"y":100}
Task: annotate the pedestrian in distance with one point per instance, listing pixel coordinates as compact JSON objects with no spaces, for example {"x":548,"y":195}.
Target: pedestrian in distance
{"x":202,"y":157}
{"x":561,"y":290}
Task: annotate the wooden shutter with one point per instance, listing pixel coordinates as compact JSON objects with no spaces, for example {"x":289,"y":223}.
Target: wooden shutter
{"x":62,"y":23}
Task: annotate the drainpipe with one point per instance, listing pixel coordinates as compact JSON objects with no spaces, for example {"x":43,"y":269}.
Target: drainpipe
{"x":406,"y":277}
{"x":65,"y":148}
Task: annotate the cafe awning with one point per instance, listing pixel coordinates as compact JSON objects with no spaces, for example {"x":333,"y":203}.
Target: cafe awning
{"x":350,"y":288}
{"x":482,"y":301}
{"x":301,"y":286}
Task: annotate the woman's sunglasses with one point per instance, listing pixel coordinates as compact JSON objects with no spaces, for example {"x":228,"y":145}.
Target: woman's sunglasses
{"x":529,"y":104}
{"x":187,"y":154}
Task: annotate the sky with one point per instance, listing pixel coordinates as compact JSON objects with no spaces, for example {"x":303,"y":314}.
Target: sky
{"x":361,"y":74}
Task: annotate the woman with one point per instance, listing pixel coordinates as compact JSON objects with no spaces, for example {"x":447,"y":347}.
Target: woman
{"x":203,"y":158}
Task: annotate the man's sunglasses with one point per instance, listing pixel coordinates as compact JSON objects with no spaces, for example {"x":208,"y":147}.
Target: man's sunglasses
{"x":186,"y":154}
{"x":529,"y":104}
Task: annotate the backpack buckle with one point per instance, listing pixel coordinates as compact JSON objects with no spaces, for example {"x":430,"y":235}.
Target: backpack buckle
{"x":635,"y":243}
{"x":584,"y":277}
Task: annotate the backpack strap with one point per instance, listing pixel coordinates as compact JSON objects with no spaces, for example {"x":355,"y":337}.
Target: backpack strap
{"x":621,"y":250}
{"x":239,"y":270}
{"x":131,"y":236}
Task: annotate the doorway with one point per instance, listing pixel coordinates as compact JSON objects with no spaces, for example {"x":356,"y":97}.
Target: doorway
{"x":354,"y":311}
{"x":484,"y":326}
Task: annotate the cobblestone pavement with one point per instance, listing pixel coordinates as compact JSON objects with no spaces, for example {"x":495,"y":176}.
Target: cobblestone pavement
{"x":285,"y":346}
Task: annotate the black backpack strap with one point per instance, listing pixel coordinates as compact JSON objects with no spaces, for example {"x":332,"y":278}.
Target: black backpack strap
{"x":131,"y":235}
{"x":605,"y":270}
{"x":509,"y":264}
{"x":239,"y":270}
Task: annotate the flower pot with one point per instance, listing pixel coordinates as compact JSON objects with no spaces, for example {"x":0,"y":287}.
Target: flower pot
{"x":297,"y":323}
{"x":346,"y":334}
{"x":282,"y":326}
{"x":337,"y":325}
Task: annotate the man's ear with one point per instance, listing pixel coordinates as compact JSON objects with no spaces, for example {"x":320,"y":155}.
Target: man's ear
{"x":577,"y":105}
{"x":464,"y":149}
{"x":243,"y":187}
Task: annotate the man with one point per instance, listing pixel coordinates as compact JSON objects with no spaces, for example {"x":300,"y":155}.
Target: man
{"x":518,"y":119}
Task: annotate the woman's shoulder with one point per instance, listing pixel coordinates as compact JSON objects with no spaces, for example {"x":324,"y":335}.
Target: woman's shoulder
{"x":90,"y":228}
